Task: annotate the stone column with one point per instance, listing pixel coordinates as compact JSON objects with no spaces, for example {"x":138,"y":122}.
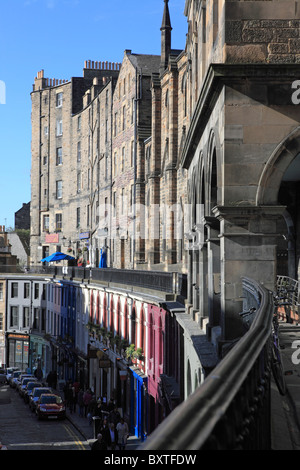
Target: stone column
{"x":248,"y":240}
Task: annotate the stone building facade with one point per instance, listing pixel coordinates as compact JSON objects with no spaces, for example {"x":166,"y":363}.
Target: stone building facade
{"x":241,"y":153}
{"x":69,"y":147}
{"x":105,"y":166}
{"x":187,"y":161}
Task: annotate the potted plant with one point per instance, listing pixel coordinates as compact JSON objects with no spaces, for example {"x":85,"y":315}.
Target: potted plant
{"x":129,"y":351}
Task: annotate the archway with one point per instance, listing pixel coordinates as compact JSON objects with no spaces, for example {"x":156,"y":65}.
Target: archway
{"x":279,"y":185}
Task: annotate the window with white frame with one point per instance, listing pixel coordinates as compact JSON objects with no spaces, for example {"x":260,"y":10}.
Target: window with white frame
{"x":59,"y":100}
{"x":26,"y":290}
{"x":79,"y":151}
{"x":59,"y":189}
{"x":14,"y":289}
{"x":26,"y":317}
{"x":58,"y":223}
{"x":79,"y":181}
{"x":59,"y":156}
{"x":46,"y":223}
{"x":78,"y":217}
{"x":59,"y":127}
{"x":14,"y":317}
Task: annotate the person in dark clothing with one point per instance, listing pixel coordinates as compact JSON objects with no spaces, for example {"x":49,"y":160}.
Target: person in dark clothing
{"x":54,"y":380}
{"x":110,"y":405}
{"x":99,"y":444}
{"x":114,"y":416}
{"x":104,"y":430}
{"x":50,"y":379}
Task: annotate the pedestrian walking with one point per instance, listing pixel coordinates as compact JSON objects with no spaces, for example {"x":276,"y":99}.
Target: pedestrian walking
{"x":104,"y":430}
{"x":123,"y":434}
{"x":49,"y":379}
{"x":113,"y":433}
{"x":114,"y":416}
{"x":54,"y":380}
{"x":80,"y":402}
{"x":92,"y":407}
{"x":99,"y":444}
{"x":87,"y":396}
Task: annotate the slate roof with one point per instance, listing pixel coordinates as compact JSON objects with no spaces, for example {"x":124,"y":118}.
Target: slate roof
{"x":147,"y":64}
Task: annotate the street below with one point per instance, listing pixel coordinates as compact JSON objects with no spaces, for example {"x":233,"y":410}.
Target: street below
{"x":20,"y":428}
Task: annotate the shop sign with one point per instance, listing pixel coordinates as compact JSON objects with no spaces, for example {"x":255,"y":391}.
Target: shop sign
{"x":104,"y":364}
{"x":84,"y":235}
{"x":52,"y":238}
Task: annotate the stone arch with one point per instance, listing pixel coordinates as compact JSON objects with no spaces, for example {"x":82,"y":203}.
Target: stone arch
{"x":212,"y":172}
{"x":279,"y":186}
{"x":275,"y":167}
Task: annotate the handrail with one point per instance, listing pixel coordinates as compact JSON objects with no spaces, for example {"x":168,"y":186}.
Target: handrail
{"x":161,"y":281}
{"x":215,"y":416}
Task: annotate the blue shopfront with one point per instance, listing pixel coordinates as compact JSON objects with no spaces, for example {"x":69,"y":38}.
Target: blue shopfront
{"x":138,"y":400}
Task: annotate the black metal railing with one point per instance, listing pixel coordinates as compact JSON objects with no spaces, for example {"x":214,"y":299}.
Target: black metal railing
{"x":231,"y":408}
{"x":168,"y":282}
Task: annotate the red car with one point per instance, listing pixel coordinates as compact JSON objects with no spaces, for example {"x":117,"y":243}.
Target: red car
{"x":50,"y":405}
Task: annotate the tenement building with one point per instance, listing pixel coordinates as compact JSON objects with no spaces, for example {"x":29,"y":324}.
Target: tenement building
{"x":105,"y":167}
{"x":185,"y":163}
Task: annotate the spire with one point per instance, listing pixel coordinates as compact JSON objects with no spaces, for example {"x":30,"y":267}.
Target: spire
{"x":166,"y":29}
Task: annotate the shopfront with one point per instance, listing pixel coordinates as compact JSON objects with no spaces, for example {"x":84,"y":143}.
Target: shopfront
{"x":18,"y":350}
{"x":138,"y":415}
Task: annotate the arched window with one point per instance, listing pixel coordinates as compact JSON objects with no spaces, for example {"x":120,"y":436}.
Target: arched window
{"x":104,"y":312}
{"x":160,"y":342}
{"x":98,"y":309}
{"x":133,"y":325}
{"x":142,"y":331}
{"x":92,"y":306}
{"x":125,"y":321}
{"x":111,"y":316}
{"x":118,"y":319}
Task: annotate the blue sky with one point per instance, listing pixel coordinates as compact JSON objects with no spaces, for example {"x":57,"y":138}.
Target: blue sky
{"x":58,"y":36}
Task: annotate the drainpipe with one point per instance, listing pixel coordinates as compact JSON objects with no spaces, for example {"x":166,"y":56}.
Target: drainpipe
{"x":134,"y":165}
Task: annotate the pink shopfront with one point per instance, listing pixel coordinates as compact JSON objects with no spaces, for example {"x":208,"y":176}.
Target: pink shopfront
{"x":155,"y":365}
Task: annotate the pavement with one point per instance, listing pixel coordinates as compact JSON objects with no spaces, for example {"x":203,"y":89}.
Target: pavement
{"x":285,"y":410}
{"x":87,"y":430}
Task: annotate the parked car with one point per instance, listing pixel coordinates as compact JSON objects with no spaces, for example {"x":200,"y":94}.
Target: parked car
{"x":50,"y":405}
{"x":21,"y":387}
{"x":9,"y":372}
{"x":2,"y":379}
{"x":35,"y":395}
{"x":28,"y":389}
{"x":14,"y":378}
{"x":20,"y":378}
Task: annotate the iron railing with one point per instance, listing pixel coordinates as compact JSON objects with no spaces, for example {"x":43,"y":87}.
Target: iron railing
{"x":231,"y":408}
{"x":167,"y":282}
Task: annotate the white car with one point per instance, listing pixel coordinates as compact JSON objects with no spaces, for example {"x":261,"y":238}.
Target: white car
{"x":9,"y":372}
